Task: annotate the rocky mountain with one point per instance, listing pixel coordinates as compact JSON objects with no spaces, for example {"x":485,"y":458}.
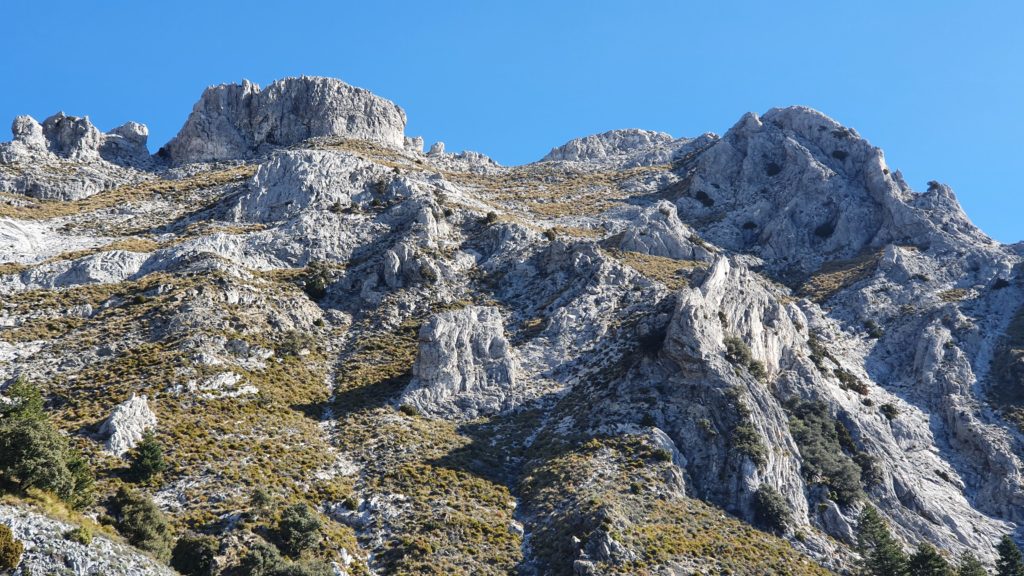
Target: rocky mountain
{"x":640,"y":354}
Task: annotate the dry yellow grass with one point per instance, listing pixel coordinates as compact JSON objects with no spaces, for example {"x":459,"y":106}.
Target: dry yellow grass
{"x":552,"y":191}
{"x":40,"y":209}
{"x":668,"y":271}
{"x":838,"y":274}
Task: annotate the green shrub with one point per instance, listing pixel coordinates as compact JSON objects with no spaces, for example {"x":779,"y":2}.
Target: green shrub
{"x":409,"y":410}
{"x":737,"y":351}
{"x":969,"y":565}
{"x":746,"y":441}
{"x":193,"y":555}
{"x":847,"y":381}
{"x":316,"y":279}
{"x":10,"y":549}
{"x":147,"y":459}
{"x":926,"y":561}
{"x":890,"y":411}
{"x":491,"y":218}
{"x":1010,"y":561}
{"x":26,"y":401}
{"x":298,"y":530}
{"x":260,"y":503}
{"x":142,"y":523}
{"x":824,"y":462}
{"x":261,"y":559}
{"x":80,"y":534}
{"x":304,"y":568}
{"x":771,"y":511}
{"x":35,"y":455}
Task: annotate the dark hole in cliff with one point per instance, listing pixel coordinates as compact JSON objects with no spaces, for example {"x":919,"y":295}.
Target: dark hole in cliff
{"x":704,"y":199}
{"x":840,"y":154}
{"x":749,"y":225}
{"x":1000,"y":284}
{"x":825,"y":230}
{"x":652,"y":342}
{"x":772,"y":169}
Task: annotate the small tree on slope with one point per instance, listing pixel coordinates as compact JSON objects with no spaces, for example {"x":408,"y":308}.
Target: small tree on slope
{"x":1010,"y":562}
{"x":881,"y":554}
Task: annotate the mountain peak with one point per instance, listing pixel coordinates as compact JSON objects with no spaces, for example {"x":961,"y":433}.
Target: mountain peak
{"x":233,"y":121}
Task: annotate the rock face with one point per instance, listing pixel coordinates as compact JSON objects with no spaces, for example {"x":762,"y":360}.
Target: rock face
{"x":623,"y":148}
{"x":797,"y":188}
{"x":67,"y":158}
{"x":658,"y":231}
{"x":611,"y":143}
{"x":465,"y":367}
{"x":126,"y":425}
{"x":236,"y":120}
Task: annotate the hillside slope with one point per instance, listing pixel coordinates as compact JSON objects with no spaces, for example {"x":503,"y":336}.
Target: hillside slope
{"x":593,"y":364}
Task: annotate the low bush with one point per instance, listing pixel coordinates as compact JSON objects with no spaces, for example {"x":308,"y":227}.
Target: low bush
{"x":298,"y":529}
{"x":10,"y":549}
{"x":771,"y":511}
{"x":141,"y":523}
{"x":890,"y":411}
{"x":193,"y":555}
{"x":81,"y":535}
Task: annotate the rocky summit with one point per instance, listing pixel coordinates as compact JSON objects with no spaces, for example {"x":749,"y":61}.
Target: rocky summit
{"x":291,"y":342}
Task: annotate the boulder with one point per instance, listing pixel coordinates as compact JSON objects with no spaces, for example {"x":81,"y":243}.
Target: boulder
{"x":126,"y":425}
{"x":465,"y":367}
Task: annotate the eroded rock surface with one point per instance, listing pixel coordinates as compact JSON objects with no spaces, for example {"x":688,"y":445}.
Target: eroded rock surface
{"x":465,"y":366}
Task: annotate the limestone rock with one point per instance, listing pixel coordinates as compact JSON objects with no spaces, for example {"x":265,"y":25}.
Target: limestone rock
{"x":611,"y":143}
{"x":48,"y":550}
{"x":237,"y":120}
{"x":436,"y":149}
{"x":658,"y":231}
{"x":28,"y":132}
{"x":126,"y":425}
{"x":465,"y":367}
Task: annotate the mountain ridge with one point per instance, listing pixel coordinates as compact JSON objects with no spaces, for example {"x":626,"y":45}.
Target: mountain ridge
{"x":633,"y":319}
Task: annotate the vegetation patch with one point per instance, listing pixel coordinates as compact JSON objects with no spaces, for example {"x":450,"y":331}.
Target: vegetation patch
{"x":668,"y":271}
{"x":40,"y":209}
{"x":818,"y":435}
{"x":838,"y":275}
{"x":1006,"y":384}
{"x":614,"y":488}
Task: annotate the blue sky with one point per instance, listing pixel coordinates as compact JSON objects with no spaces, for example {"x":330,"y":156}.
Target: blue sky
{"x":937,"y":84}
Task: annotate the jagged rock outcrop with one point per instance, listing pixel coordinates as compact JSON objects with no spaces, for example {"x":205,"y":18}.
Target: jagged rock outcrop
{"x":611,"y":143}
{"x":237,"y":120}
{"x":797,"y":188}
{"x":67,"y":158}
{"x":465,"y":367}
{"x":127,"y":423}
{"x":658,"y":231}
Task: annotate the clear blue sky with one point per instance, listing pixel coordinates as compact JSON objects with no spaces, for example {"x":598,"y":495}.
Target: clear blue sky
{"x":938,"y":84}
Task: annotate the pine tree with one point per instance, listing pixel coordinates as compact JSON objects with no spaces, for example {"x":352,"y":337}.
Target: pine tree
{"x":881,"y":554}
{"x":148,"y":460}
{"x":927,"y":561}
{"x":1010,"y":562}
{"x":970,"y":566}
